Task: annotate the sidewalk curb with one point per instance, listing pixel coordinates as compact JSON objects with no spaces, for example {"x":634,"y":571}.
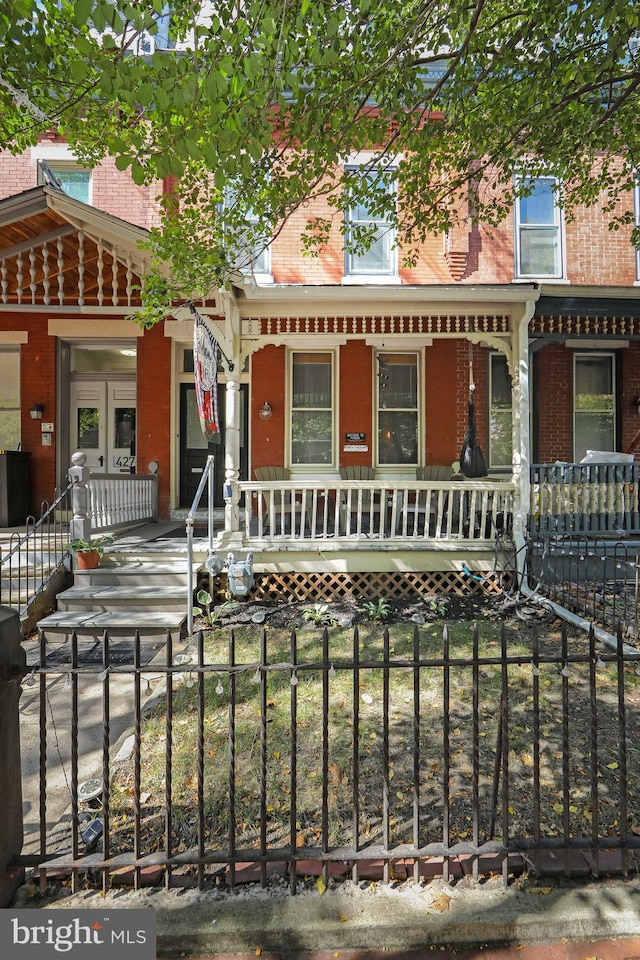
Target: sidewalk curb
{"x":347,"y":917}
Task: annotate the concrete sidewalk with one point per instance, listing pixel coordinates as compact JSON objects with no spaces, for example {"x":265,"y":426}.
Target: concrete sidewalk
{"x":359,"y":922}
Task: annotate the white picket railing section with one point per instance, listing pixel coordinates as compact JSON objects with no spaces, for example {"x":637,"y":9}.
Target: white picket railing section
{"x":473,"y":510}
{"x":117,"y":500}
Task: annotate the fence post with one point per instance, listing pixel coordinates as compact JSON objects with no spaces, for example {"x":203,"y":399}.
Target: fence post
{"x":79,"y":474}
{"x":12,"y":670}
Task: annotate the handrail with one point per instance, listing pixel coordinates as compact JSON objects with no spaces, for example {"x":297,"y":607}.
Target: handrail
{"x":54,"y":534}
{"x":207,"y":477}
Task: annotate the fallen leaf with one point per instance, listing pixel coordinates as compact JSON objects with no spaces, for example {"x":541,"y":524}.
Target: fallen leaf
{"x":258,"y":951}
{"x":612,"y":766}
{"x":342,"y":918}
{"x":321,"y":885}
{"x":441,"y":903}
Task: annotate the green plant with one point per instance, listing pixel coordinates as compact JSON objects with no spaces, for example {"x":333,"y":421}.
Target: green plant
{"x":318,"y":614}
{"x":379,"y":609}
{"x":96,"y":545}
{"x":438,"y":605}
{"x":206,"y":610}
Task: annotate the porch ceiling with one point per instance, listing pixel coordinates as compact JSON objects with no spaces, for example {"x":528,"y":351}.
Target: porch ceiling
{"x":56,"y":251}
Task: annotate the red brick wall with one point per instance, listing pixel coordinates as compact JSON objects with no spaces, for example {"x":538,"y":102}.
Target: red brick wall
{"x":356,"y":400}
{"x":447,"y":398}
{"x":268,"y":384}
{"x":153,"y":430}
{"x":113,"y":191}
{"x":554,"y":404}
{"x":37,"y":385}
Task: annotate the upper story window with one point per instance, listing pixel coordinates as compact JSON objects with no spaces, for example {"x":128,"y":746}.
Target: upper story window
{"x":539,"y":230}
{"x":251,"y":248}
{"x":363,"y":220}
{"x":72,"y":179}
{"x":397,"y":412}
{"x":312,"y":390}
{"x":500,"y":415}
{"x":594,"y":407}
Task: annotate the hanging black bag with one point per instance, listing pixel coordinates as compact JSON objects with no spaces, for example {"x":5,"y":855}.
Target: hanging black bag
{"x":472,"y":462}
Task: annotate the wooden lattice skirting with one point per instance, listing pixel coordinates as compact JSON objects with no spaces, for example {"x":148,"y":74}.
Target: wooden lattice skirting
{"x":324,"y":587}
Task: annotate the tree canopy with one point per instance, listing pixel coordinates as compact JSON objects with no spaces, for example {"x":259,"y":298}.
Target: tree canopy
{"x":253,"y":106}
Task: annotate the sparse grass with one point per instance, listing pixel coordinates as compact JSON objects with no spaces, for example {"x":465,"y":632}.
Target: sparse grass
{"x":264,"y":760}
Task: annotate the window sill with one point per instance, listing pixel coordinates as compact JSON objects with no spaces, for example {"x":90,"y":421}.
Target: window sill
{"x":557,"y":280}
{"x":362,"y":279}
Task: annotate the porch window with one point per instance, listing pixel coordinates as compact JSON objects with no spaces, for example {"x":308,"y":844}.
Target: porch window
{"x":500,"y":417}
{"x":397,"y":408}
{"x":368,"y":219}
{"x":312,"y":409}
{"x":9,"y":399}
{"x":75,"y":181}
{"x":538,"y":230}
{"x":594,"y":403}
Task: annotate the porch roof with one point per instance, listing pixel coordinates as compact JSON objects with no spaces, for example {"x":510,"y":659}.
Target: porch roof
{"x":254,"y":301}
{"x":57,"y":252}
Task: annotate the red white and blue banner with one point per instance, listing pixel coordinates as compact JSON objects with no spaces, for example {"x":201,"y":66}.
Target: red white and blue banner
{"x":205,"y":364}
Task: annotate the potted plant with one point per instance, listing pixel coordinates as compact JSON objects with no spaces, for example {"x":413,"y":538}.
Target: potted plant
{"x":88,"y":553}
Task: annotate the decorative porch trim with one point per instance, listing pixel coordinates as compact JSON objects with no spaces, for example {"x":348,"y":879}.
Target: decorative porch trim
{"x":378,"y":326}
{"x":567,"y":326}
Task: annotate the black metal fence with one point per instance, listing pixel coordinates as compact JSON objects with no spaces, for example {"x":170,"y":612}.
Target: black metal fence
{"x":596,"y":578}
{"x":437,"y":750}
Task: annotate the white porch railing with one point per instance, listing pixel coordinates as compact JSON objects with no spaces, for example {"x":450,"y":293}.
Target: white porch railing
{"x":402,"y":511}
{"x":117,"y":500}
{"x":585,"y":498}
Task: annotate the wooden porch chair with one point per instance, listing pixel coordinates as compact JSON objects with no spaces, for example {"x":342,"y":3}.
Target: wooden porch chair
{"x":281,"y":501}
{"x":356,"y":473}
{"x":432,"y":471}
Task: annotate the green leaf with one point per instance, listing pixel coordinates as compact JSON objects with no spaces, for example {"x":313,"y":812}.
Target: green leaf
{"x":82,"y":11}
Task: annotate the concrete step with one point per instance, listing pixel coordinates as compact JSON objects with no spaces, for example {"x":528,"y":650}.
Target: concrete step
{"x":123,"y":623}
{"x":115,"y":597}
{"x":131,"y":572}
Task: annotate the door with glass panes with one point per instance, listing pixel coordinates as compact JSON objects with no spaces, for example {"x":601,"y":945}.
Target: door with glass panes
{"x":194,"y":447}
{"x":103,"y":424}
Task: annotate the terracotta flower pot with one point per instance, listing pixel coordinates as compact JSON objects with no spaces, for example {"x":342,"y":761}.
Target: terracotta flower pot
{"x":87,"y":559}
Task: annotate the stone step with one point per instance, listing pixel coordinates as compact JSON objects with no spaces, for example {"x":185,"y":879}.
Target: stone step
{"x":123,"y":623}
{"x":115,"y":597}
{"x":129,"y":573}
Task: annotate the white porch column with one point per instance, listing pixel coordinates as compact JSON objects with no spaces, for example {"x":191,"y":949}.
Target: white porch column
{"x":232,"y":457}
{"x":521,"y":433}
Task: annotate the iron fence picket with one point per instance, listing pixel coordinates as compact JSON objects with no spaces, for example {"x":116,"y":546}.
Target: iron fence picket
{"x":494,"y":828}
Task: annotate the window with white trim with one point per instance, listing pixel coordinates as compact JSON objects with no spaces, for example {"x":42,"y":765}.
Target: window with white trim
{"x":397,"y":408}
{"x":500,"y":413}
{"x":538,"y":220}
{"x":251,"y":247}
{"x":594,"y":404}
{"x":312,"y":390}
{"x":10,"y":398}
{"x":364,"y":220}
{"x":75,"y":181}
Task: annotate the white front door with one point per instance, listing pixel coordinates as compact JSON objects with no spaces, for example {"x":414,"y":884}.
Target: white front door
{"x":103,"y":424}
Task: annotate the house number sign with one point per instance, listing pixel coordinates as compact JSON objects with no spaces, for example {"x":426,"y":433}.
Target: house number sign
{"x":355,"y":437}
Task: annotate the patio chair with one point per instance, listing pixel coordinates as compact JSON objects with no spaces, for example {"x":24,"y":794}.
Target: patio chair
{"x":432,"y":471}
{"x":281,"y":499}
{"x":356,"y":473}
